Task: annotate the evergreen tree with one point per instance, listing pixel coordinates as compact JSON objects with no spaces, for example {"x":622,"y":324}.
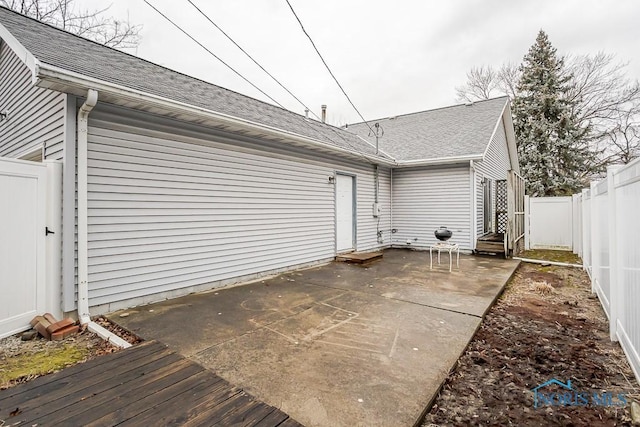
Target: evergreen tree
{"x":553,"y":157}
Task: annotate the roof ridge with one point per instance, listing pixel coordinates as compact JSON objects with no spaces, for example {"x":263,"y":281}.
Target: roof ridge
{"x":429,"y":110}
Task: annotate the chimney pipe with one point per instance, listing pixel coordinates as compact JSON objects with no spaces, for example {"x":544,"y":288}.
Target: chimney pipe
{"x":324,"y":113}
{"x":306,"y":113}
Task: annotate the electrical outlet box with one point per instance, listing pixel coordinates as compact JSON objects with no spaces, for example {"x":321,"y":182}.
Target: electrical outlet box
{"x":377,"y":210}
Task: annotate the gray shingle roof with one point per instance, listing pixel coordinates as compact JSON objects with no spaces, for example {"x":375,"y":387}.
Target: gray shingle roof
{"x":69,"y":52}
{"x":460,"y":130}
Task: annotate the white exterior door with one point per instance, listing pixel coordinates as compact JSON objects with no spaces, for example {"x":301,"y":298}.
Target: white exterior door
{"x":487,"y":205}
{"x":23,"y":197}
{"x":345,"y":228}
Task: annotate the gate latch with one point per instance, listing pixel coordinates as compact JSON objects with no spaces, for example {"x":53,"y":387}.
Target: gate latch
{"x":47,"y":231}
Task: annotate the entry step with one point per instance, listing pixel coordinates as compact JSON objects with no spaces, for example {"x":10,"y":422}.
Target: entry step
{"x":359,"y":257}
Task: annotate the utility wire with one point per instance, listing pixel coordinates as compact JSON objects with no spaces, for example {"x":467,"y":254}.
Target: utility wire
{"x":213,"y":54}
{"x":251,"y":58}
{"x":272,"y":77}
{"x":257,"y":88}
{"x":327,"y":66}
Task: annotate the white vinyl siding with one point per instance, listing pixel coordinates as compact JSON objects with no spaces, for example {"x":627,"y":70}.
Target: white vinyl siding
{"x":427,"y":198}
{"x":170,"y":212}
{"x":36,"y":115}
{"x":494,"y":166}
{"x":367,"y":225}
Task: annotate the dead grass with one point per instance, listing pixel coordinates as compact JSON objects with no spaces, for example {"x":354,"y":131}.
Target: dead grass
{"x":22,"y":361}
{"x":29,"y":365}
{"x":547,"y":324}
{"x":549,"y":255}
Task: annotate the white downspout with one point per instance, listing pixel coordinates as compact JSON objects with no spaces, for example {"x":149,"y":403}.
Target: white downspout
{"x":391,"y":208}
{"x":473,"y":231}
{"x":83,"y":228}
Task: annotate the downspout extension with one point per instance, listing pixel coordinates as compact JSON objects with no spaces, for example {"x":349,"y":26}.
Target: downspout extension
{"x":83,"y":230}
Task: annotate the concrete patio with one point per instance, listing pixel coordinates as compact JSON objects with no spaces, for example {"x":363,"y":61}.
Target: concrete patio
{"x":338,"y":344}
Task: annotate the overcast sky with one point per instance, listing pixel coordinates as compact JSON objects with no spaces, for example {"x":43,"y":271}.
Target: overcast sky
{"x":392,"y":57}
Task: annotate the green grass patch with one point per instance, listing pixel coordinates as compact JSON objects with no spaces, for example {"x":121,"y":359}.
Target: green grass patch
{"x":31,"y":365}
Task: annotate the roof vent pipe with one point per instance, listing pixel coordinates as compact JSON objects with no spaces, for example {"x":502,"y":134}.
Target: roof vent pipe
{"x":324,"y":113}
{"x":306,"y":113}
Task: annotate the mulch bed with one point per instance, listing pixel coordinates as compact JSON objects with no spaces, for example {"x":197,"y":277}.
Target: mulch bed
{"x":546,"y":325}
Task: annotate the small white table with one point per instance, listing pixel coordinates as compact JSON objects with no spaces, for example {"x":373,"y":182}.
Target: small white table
{"x":447,"y":247}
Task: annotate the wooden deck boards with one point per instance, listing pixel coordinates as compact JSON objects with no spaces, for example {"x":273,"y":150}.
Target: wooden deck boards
{"x":144,"y":385}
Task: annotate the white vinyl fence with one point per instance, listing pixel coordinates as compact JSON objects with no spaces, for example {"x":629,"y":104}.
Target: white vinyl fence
{"x":550,"y":223}
{"x":607,"y":213}
{"x":30,"y":274}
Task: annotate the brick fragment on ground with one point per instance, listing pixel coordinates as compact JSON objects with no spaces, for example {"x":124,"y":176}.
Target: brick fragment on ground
{"x":41,"y":325}
{"x":65,"y":332}
{"x":36,"y":320}
{"x":56,"y":330}
{"x":54,"y":327}
{"x":50,"y":318}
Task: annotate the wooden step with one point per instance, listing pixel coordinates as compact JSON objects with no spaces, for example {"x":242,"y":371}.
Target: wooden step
{"x":359,"y":257}
{"x":490,"y":247}
{"x":492,"y":237}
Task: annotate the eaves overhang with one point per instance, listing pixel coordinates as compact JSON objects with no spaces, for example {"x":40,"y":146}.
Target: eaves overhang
{"x":62,"y":80}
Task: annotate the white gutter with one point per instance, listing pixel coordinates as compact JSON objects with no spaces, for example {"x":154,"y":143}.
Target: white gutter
{"x":83,"y":228}
{"x":439,"y":161}
{"x":56,"y":75}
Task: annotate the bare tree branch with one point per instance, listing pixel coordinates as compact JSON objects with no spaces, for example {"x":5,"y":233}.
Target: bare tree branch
{"x":481,"y":82}
{"x":487,"y":82}
{"x":92,"y":24}
{"x":605,"y":101}
{"x":508,"y":75}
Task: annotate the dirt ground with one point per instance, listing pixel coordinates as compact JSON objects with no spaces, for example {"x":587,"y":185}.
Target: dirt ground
{"x":22,"y":361}
{"x":546,"y":325}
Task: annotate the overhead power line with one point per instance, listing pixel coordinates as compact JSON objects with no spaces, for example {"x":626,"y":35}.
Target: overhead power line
{"x":213,"y":54}
{"x":327,"y":66}
{"x":251,"y":57}
{"x":359,"y":152}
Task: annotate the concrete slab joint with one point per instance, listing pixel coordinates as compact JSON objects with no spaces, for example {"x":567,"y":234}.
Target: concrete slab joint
{"x":339,"y":344}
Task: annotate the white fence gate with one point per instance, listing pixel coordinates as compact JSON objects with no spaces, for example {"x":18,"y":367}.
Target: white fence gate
{"x":550,"y":224}
{"x":30,"y":195}
{"x":611,"y":254}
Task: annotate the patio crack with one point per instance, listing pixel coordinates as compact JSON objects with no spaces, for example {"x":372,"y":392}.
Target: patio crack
{"x":258,"y":328}
{"x":400,"y":300}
